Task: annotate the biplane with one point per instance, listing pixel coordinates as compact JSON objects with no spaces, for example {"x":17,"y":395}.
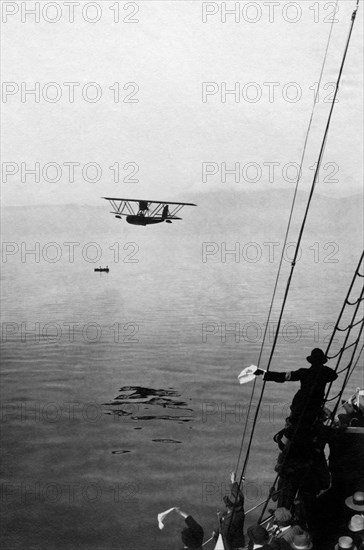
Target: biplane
{"x":145,"y":212}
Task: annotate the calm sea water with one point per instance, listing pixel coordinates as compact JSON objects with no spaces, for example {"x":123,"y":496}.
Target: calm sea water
{"x":120,"y":395}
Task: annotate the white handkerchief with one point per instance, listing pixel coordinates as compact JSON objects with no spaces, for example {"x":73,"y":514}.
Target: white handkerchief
{"x":247,"y":374}
{"x":161,"y":517}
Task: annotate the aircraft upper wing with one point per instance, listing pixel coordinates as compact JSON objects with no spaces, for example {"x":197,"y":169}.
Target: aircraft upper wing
{"x":149,"y":201}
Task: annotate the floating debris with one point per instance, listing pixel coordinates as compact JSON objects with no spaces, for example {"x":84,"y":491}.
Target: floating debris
{"x":121,"y":452}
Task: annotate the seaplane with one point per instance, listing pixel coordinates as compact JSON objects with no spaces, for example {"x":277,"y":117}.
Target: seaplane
{"x":146,"y":212}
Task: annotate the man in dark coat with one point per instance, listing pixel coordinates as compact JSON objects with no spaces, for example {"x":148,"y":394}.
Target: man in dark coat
{"x":192,"y":535}
{"x":284,"y":531}
{"x":307,"y":402}
{"x":232,"y":520}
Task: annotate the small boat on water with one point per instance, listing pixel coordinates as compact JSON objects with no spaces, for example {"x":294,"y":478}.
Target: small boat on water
{"x":102,"y":269}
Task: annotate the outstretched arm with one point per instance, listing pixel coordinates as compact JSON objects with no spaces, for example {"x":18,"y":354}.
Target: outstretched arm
{"x":236,"y":497}
{"x":181,"y":513}
{"x":280,"y":377}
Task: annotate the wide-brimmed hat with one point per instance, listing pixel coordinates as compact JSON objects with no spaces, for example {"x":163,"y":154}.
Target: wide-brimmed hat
{"x":345,"y":543}
{"x":258,"y":534}
{"x":356,"y":501}
{"x":302,"y":542}
{"x":356,"y":523}
{"x":317,"y":356}
{"x":282,"y":515}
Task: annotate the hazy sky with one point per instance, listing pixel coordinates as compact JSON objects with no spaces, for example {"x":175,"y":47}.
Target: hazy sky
{"x":139,"y":107}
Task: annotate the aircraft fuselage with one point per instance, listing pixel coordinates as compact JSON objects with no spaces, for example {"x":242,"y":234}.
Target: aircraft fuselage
{"x":143,"y":220}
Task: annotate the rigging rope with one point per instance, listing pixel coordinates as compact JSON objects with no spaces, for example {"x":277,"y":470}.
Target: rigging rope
{"x":348,"y":374}
{"x":356,"y":362}
{"x":344,"y":347}
{"x":308,"y":204}
{"x":286,"y":235}
{"x":346,"y":301}
{"x":318,"y":166}
{"x":355,"y":343}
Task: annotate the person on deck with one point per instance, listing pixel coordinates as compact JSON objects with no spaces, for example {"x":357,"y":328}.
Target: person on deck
{"x":284,"y":531}
{"x":192,"y":535}
{"x":307,"y":402}
{"x":258,"y":538}
{"x":303,"y":469}
{"x":231,"y":524}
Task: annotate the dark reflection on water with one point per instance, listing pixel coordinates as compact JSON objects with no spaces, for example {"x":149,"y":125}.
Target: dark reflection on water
{"x":123,"y":404}
{"x":166,"y":441}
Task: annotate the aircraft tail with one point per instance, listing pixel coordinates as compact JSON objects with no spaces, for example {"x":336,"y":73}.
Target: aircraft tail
{"x":165,"y":212}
